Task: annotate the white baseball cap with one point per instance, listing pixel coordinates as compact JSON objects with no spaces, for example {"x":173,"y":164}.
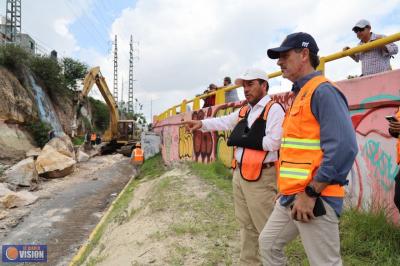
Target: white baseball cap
{"x":251,"y":74}
{"x":361,"y":24}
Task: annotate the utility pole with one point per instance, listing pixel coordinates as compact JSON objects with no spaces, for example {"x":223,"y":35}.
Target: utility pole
{"x":115,"y":70}
{"x":13,"y":21}
{"x":122,"y":107}
{"x":130,"y":90}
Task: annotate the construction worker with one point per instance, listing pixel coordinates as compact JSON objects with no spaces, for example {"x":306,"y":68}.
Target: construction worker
{"x":137,"y":156}
{"x":394,"y":130}
{"x":317,"y":152}
{"x":257,"y":129}
{"x":93,"y":138}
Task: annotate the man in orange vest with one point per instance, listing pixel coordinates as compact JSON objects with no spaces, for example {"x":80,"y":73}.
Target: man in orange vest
{"x":137,"y":156}
{"x":394,"y":130}
{"x":257,"y":129}
{"x":317,"y":152}
{"x":93,"y":138}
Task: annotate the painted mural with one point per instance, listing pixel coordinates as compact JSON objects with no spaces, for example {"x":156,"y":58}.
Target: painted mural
{"x":370,"y":99}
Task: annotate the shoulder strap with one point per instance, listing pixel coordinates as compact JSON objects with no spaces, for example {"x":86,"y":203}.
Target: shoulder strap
{"x":243,"y":111}
{"x":267,"y":108}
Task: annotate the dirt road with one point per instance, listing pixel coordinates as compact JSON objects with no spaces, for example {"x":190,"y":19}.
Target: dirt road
{"x":69,"y":208}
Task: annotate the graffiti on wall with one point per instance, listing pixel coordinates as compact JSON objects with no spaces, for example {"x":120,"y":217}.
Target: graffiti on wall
{"x":202,"y":141}
{"x":223,"y":152}
{"x":381,"y":164}
{"x":371,"y":180}
{"x":285,"y":99}
{"x":185,"y":143}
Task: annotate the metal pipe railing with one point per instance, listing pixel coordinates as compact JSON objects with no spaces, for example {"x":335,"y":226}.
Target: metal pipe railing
{"x":220,"y":93}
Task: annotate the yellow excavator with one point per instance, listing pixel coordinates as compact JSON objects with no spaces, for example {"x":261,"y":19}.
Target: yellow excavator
{"x":120,"y":132}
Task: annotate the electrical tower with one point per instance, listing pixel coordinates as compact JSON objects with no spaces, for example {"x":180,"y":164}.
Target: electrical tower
{"x":130,"y":91}
{"x":13,"y":20}
{"x":122,"y":103}
{"x":115,"y":70}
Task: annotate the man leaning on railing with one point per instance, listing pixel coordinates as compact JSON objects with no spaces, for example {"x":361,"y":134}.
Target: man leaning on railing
{"x":230,"y":96}
{"x":376,"y":60}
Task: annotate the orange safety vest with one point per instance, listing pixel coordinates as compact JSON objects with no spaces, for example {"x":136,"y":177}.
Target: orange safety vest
{"x":300,"y":152}
{"x":398,"y":139}
{"x":93,"y":137}
{"x":137,"y":156}
{"x":252,"y":160}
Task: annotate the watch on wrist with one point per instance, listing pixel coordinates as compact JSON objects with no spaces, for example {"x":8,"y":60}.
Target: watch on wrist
{"x":310,"y":191}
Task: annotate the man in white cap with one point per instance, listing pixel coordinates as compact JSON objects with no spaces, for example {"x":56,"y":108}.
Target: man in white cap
{"x":376,"y":60}
{"x":256,"y":135}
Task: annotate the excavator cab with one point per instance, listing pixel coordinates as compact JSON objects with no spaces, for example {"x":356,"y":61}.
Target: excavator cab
{"x":126,"y":131}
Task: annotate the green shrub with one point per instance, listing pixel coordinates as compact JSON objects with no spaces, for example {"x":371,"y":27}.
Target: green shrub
{"x":50,"y":72}
{"x":100,"y":114}
{"x":78,"y":140}
{"x":13,"y":57}
{"x":39,"y":131}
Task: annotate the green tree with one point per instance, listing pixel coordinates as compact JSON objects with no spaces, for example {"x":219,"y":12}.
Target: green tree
{"x":50,"y":72}
{"x":73,"y":70}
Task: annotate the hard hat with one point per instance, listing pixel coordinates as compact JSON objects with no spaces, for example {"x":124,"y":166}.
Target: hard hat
{"x":137,"y":144}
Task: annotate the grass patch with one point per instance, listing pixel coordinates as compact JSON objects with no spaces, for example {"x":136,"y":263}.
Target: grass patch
{"x":215,"y":172}
{"x":152,"y":167}
{"x":178,"y":253}
{"x":186,"y":228}
{"x":95,"y":260}
{"x":78,"y":140}
{"x":210,"y":217}
{"x":119,"y":213}
{"x":366,"y":239}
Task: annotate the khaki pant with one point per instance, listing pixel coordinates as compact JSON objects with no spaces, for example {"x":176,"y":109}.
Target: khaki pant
{"x":320,"y":237}
{"x":253,"y":205}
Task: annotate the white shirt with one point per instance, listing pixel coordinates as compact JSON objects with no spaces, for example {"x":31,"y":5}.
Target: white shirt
{"x":273,"y":129}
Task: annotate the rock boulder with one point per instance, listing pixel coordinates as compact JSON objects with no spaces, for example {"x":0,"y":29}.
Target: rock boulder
{"x":62,"y":145}
{"x":22,"y":174}
{"x":81,"y":156}
{"x":18,"y":199}
{"x":53,"y":164}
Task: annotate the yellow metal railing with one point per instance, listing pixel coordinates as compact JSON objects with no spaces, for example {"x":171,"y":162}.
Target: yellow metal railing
{"x":220,"y":93}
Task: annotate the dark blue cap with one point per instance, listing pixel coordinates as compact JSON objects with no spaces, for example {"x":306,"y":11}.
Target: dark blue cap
{"x":292,"y":41}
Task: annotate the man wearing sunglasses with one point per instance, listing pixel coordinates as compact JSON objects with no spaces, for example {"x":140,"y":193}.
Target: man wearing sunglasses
{"x":376,"y":60}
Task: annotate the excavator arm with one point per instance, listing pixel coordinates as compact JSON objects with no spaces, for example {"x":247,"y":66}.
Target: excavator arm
{"x":94,"y":76}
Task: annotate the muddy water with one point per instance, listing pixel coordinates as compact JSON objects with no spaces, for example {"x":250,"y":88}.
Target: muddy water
{"x":65,"y":221}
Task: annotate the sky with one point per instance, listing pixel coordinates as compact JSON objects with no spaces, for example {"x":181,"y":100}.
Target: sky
{"x":182,"y":46}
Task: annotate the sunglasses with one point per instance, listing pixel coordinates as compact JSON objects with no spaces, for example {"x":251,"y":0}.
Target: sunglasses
{"x":357,"y":30}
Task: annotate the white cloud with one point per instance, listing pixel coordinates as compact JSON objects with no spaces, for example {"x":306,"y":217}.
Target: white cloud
{"x":185,"y":45}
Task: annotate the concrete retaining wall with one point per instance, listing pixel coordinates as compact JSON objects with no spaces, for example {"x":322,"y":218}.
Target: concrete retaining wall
{"x":371,"y":98}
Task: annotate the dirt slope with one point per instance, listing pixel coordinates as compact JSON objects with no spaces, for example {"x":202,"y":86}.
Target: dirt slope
{"x":176,"y":219}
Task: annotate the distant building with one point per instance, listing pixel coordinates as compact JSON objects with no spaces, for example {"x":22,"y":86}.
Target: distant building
{"x":2,"y":29}
{"x":26,"y":41}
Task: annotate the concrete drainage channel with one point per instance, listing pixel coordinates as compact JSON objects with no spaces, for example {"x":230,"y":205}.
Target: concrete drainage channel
{"x":84,"y":247}
{"x":65,"y":219}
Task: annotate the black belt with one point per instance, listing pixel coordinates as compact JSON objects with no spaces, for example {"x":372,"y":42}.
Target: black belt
{"x":264,"y":166}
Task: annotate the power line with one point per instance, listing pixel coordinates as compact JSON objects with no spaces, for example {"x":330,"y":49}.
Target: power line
{"x":91,"y":17}
{"x":101,"y":42}
{"x":101,"y":17}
